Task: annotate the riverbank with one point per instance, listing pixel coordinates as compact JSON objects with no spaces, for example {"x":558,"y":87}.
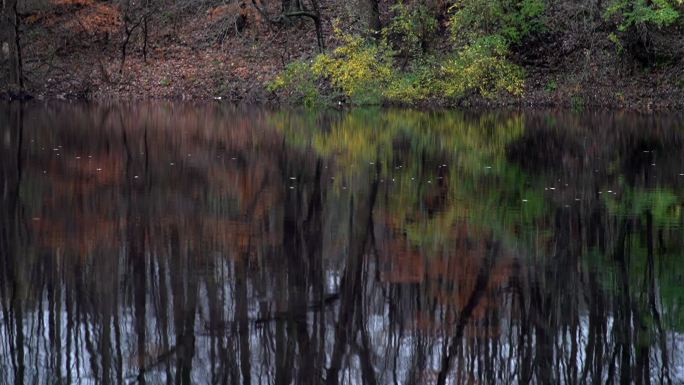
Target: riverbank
{"x":74,"y":54}
{"x":179,"y":74}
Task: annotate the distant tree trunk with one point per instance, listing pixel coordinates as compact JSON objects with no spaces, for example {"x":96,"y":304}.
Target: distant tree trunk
{"x":319,"y":28}
{"x":145,"y":32}
{"x":11,"y":46}
{"x":129,"y":26}
{"x":124,"y":46}
{"x":374,"y":17}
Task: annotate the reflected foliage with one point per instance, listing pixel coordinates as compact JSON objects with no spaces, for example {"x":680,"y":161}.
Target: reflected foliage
{"x":171,"y":243}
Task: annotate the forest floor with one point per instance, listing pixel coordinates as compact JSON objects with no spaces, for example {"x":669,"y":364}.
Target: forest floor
{"x":73,"y":51}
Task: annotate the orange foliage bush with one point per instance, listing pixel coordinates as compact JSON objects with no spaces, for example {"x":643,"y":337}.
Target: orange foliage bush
{"x":99,"y":18}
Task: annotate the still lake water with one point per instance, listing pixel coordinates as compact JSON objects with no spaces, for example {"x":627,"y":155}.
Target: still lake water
{"x":177,"y":244}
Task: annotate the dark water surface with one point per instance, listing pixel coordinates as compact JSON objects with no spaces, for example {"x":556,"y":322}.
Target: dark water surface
{"x":179,"y":244}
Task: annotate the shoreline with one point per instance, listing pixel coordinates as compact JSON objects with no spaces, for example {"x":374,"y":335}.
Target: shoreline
{"x":645,"y":105}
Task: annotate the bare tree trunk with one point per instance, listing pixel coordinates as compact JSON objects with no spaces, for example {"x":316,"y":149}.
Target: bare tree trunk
{"x":374,"y":17}
{"x":145,"y":31}
{"x":317,"y":23}
{"x":11,"y":45}
{"x":124,"y":45}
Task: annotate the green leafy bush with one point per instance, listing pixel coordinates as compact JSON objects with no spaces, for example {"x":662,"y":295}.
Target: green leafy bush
{"x":299,"y":82}
{"x":642,"y":29}
{"x":359,"y":68}
{"x":551,"y":86}
{"x":482,"y":32}
{"x":613,"y":38}
{"x":415,"y":85}
{"x":483,"y":67}
{"x":658,"y":13}
{"x":410,"y":29}
{"x":364,"y":71}
{"x":577,"y":103}
{"x":511,"y":19}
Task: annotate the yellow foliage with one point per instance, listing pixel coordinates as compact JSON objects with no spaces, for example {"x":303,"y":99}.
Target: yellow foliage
{"x":358,"y":68}
{"x":482,"y":66}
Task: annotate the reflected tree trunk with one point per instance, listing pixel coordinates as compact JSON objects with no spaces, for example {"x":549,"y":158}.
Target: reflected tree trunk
{"x":242,"y":318}
{"x":453,"y":344}
{"x":360,"y":225}
{"x":11,"y":265}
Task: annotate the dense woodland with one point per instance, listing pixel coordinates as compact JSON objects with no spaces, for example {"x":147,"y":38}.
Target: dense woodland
{"x":576,"y":53}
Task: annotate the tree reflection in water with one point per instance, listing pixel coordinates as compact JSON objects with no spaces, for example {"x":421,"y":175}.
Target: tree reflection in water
{"x":171,"y":243}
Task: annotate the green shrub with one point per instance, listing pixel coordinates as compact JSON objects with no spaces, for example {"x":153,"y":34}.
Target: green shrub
{"x":551,"y":85}
{"x":613,"y":38}
{"x":482,"y":67}
{"x":577,"y":103}
{"x":482,"y":32}
{"x":511,"y":19}
{"x":364,"y":71}
{"x":415,"y":85}
{"x":410,"y":29}
{"x":299,"y":82}
{"x":631,"y":13}
{"x":359,"y":68}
